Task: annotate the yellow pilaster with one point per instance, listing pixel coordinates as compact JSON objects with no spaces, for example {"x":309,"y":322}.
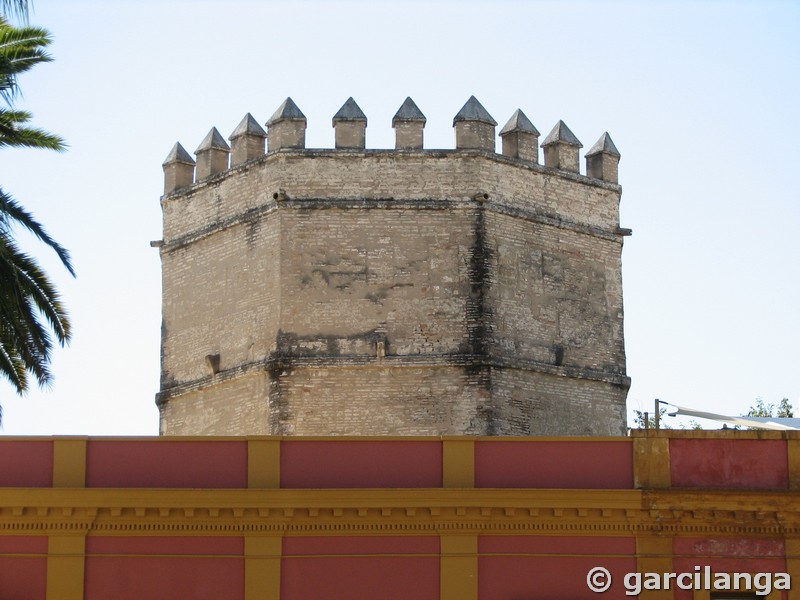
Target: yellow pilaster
{"x":458,"y":463}
{"x":651,"y":462}
{"x":69,"y":462}
{"x":264,"y":463}
{"x":262,"y":568}
{"x":654,"y":555}
{"x":793,"y":566}
{"x":458,"y":577}
{"x":793,"y":451}
{"x":65,"y":563}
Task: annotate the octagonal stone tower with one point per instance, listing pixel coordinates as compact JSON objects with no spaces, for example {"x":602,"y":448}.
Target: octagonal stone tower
{"x":408,"y":291}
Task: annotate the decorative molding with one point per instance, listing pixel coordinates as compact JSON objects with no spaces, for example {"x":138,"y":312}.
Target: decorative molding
{"x":396,"y":512}
{"x":293,"y":361}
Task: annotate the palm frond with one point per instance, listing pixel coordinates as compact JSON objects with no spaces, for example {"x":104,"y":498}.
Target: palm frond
{"x":14,"y":133}
{"x":12,"y":213}
{"x":30,"y":308}
{"x":20,"y":49}
{"x":15,"y":7}
{"x":32,"y":315}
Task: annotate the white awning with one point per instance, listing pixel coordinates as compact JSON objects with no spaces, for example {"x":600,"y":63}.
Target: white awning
{"x":776,"y":423}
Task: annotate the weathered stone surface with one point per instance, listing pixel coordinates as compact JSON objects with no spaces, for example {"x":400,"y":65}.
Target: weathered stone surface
{"x":287,"y":111}
{"x":602,"y":160}
{"x":561,"y":148}
{"x":408,"y":111}
{"x":350,"y":124}
{"x":375,"y":296}
{"x":474,"y":127}
{"x":286,"y":127}
{"x":474,"y":111}
{"x":408,"y":123}
{"x":520,"y":138}
{"x":178,"y":169}
{"x":212,"y":155}
{"x":247,"y":141}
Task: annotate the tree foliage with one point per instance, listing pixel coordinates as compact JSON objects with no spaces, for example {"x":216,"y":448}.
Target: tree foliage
{"x":761,"y":409}
{"x":647,"y":420}
{"x":31,"y":312}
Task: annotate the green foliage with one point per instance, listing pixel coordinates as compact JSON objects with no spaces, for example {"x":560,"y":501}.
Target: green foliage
{"x":650,"y":421}
{"x":31,"y":312}
{"x":761,"y":409}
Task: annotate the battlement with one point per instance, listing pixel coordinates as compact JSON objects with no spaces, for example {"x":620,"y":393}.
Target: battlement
{"x":474,"y":131}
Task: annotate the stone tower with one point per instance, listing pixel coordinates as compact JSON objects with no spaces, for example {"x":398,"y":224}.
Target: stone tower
{"x":392,"y":292}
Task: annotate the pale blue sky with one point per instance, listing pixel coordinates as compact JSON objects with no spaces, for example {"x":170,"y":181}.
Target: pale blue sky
{"x":700,"y":98}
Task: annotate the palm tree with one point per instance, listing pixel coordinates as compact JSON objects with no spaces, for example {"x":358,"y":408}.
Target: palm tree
{"x":30,"y":307}
{"x":17,"y":7}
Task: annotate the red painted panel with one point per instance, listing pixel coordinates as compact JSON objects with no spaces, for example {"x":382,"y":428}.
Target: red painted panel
{"x":156,"y":578}
{"x":761,"y":464}
{"x":523,"y":567}
{"x":164,"y":568}
{"x":730,"y":547}
{"x":353,"y":464}
{"x":336,"y":568}
{"x":26,"y":463}
{"x":166,"y":464}
{"x":727,"y":555}
{"x":554,"y":464}
{"x":17,"y":544}
{"x":161,"y":545}
{"x":346,"y":545}
{"x":23,"y":577}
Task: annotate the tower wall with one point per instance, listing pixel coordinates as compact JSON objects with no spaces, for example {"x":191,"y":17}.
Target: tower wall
{"x":374,"y":292}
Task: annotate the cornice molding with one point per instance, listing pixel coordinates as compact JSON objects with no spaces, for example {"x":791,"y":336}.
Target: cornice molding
{"x":396,"y":512}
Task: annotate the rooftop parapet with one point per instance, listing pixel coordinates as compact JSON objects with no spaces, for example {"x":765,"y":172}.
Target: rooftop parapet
{"x":178,"y":169}
{"x":212,"y":155}
{"x":408,"y":123}
{"x":350,"y":125}
{"x":561,"y":148}
{"x":474,"y":130}
{"x":286,"y":128}
{"x":602,"y":160}
{"x":247,"y":141}
{"x":520,"y":138}
{"x":474,"y":127}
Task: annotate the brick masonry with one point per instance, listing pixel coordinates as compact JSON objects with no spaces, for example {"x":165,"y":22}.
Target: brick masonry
{"x":373,"y":292}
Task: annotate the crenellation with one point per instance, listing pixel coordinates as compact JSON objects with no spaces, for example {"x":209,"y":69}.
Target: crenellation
{"x":247,"y":141}
{"x":561,"y":148}
{"x":350,"y":124}
{"x":474,"y":127}
{"x":520,"y":138}
{"x":178,"y":169}
{"x":602,"y":160}
{"x":286,"y":128}
{"x":212,"y":155}
{"x":408,"y":123}
{"x":398,"y":291}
